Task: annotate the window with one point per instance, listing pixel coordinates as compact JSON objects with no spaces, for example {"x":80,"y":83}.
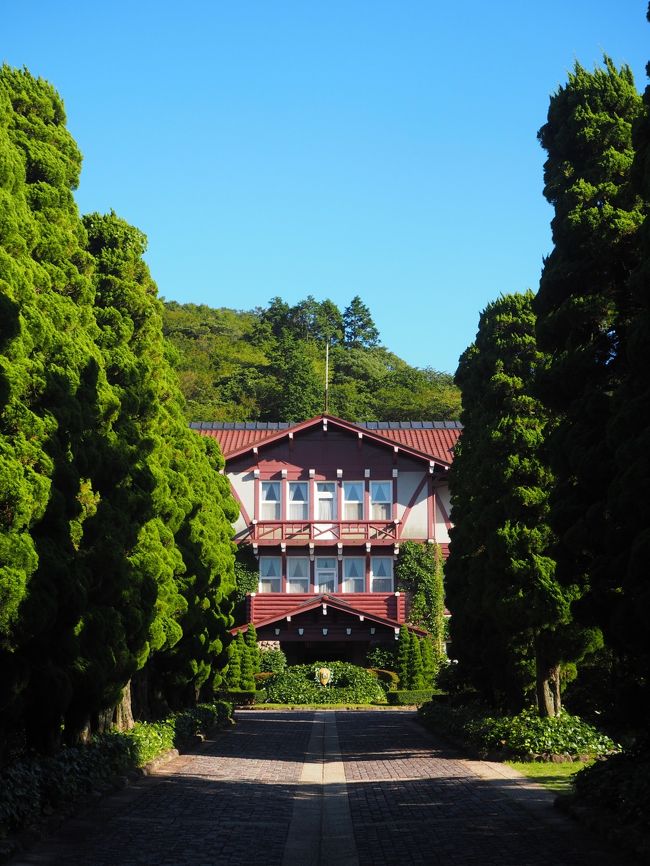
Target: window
{"x":325,"y":500}
{"x":270,"y":574}
{"x":325,"y":579}
{"x":297,"y":574}
{"x":270,"y":500}
{"x":353,"y":500}
{"x":381,"y":574}
{"x":298,"y":500}
{"x":354,"y":574}
{"x":381,"y":500}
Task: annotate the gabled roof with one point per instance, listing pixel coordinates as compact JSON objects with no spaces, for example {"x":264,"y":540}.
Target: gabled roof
{"x":333,"y":602}
{"x":433,"y":440}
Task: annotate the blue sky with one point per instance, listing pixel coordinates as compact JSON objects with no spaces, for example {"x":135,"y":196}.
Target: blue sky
{"x":385,"y":149}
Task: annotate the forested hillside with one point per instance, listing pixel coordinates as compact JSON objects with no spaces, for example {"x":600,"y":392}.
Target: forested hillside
{"x":269,"y":364}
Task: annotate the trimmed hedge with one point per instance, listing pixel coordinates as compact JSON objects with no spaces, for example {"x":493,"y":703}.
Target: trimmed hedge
{"x":349,"y":685}
{"x":409,"y":697}
{"x":525,"y":735}
{"x":35,"y":785}
{"x":244,"y":697}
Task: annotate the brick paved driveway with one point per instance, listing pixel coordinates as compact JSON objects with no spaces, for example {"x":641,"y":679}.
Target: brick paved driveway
{"x":410,"y":799}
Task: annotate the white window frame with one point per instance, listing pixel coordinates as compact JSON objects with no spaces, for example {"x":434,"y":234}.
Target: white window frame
{"x":274,"y":513}
{"x":374,"y":581}
{"x":303,"y":506}
{"x":276,"y":579}
{"x":347,"y":581}
{"x":331,"y":494}
{"x":353,"y":502}
{"x":292,"y":580}
{"x":332,"y":570}
{"x":375,"y":502}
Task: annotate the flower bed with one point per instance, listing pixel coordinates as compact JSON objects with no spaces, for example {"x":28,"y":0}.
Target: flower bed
{"x":299,"y":684}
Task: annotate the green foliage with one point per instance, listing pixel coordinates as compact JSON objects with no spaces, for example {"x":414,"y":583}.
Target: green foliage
{"x":269,"y":364}
{"x":512,"y":626}
{"x":251,"y":642}
{"x":233,"y":671}
{"x":409,"y":697}
{"x":272,"y":660}
{"x":618,"y":791}
{"x":403,"y":652}
{"x":419,"y":571}
{"x":587,"y":317}
{"x":524,"y":735}
{"x":243,"y":697}
{"x":247,"y":678}
{"x":382,"y":657}
{"x":349,"y":684}
{"x":388,"y":680}
{"x":33,"y":786}
{"x":415,"y":678}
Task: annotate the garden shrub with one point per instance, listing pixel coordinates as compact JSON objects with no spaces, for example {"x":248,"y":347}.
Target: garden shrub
{"x":272,"y":661}
{"x":525,"y":735}
{"x":409,"y":697}
{"x":261,"y":678}
{"x":382,"y":658}
{"x":349,"y":685}
{"x":244,"y":697}
{"x":388,"y":680}
{"x":621,"y":786}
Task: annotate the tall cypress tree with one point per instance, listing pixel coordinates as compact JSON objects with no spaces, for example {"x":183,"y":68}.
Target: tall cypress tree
{"x":500,"y":576}
{"x":59,"y":379}
{"x":584,"y":305}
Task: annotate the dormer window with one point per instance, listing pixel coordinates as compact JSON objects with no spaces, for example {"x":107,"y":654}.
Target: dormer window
{"x":271,"y":502}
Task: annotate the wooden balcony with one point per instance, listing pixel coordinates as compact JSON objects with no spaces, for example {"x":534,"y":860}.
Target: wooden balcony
{"x":318,"y":532}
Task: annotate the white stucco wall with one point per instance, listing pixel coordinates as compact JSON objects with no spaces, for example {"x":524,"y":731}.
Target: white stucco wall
{"x":416,"y":522}
{"x":243,"y":484}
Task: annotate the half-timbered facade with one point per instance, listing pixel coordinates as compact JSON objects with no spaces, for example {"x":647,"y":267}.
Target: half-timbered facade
{"x":324,"y":505}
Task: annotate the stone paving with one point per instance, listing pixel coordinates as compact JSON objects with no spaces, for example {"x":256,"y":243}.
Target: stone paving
{"x":344,"y":789}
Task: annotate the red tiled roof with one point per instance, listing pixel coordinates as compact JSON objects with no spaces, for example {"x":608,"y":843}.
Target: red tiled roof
{"x":434,"y":439}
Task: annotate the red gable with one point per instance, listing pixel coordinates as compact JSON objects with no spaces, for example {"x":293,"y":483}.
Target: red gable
{"x":432,"y":439}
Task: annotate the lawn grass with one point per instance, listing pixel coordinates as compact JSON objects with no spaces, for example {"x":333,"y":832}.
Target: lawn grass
{"x":555,"y":777}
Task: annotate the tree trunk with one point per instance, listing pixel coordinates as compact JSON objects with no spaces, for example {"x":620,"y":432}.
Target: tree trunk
{"x":549,"y":700}
{"x":123,"y":716}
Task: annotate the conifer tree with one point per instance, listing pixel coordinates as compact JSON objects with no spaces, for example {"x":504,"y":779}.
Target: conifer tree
{"x":246,"y":664}
{"x":403,"y":648}
{"x":251,"y":642}
{"x":358,"y":326}
{"x":233,"y":671}
{"x":58,"y":401}
{"x":583,"y":305}
{"x":512,"y":626}
{"x":415,"y":676}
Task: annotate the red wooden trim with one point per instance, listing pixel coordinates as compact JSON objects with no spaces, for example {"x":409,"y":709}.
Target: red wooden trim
{"x":394,"y":512}
{"x":411,"y":503}
{"x":283,"y":572}
{"x":431,"y":509}
{"x":256,"y":504}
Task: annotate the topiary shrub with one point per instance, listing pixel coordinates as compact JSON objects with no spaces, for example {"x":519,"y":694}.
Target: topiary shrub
{"x":388,"y":680}
{"x":349,"y":685}
{"x":272,"y":661}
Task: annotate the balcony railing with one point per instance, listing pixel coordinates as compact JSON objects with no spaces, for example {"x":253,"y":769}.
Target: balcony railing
{"x":304,"y":531}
